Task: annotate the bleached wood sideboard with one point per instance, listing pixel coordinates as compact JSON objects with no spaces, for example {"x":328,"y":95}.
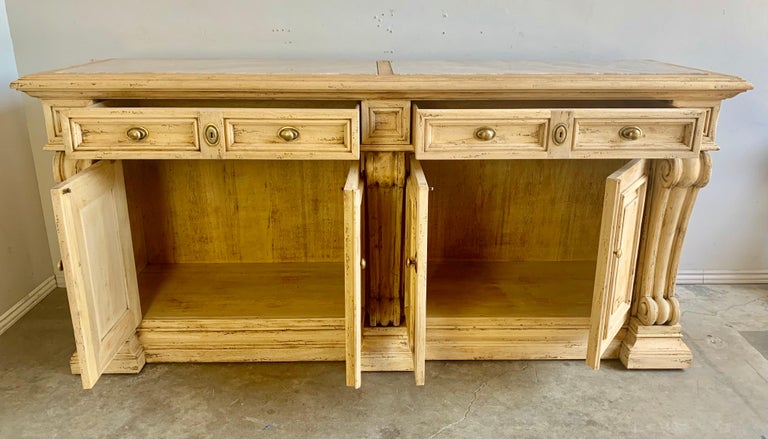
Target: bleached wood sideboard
{"x":376,"y":213}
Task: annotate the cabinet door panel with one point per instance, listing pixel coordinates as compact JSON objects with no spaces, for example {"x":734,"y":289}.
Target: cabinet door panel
{"x":353,"y":200}
{"x":95,"y":237}
{"x":417,"y":197}
{"x":617,"y":255}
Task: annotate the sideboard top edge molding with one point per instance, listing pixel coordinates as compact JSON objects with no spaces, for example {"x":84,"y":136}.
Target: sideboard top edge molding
{"x":116,"y":77}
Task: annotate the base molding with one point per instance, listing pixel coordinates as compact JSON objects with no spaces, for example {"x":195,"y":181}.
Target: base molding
{"x":512,"y":339}
{"x":26,"y":303}
{"x":699,"y":277}
{"x":654,"y":347}
{"x":385,"y":349}
{"x":129,"y":359}
{"x":242,"y":340}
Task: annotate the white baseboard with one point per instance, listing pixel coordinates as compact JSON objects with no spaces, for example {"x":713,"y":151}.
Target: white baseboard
{"x":26,"y":303}
{"x":61,"y":282}
{"x":698,"y":277}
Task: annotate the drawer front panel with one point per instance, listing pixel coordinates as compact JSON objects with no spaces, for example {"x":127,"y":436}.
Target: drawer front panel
{"x":481,"y":133}
{"x":100,"y":132}
{"x":293,"y":134}
{"x":638,"y":133}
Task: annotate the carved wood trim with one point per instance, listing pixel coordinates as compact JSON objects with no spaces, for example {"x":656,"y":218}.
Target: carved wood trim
{"x":675,"y":183}
{"x":65,"y":167}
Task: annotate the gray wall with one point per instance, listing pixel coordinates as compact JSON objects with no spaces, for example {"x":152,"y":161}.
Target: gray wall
{"x":24,"y":259}
{"x":728,"y":230}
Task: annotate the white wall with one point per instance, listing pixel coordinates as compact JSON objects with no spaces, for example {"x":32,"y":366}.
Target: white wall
{"x":728,"y":230}
{"x":24,"y":259}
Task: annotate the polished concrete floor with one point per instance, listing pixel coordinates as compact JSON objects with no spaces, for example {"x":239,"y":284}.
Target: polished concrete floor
{"x":724,"y":395}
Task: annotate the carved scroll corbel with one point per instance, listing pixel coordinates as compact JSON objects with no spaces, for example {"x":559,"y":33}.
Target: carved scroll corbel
{"x":674,"y":187}
{"x":65,"y":167}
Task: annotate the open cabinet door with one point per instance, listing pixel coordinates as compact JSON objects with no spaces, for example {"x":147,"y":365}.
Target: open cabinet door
{"x":91,"y":214}
{"x":415,"y":276}
{"x":617,"y":256}
{"x":353,"y":282}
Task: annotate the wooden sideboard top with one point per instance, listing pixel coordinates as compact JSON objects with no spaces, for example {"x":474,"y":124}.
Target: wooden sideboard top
{"x":322,"y":79}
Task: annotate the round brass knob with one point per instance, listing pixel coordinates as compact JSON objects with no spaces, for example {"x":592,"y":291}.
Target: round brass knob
{"x":288,"y":134}
{"x":137,"y":133}
{"x":631,"y":133}
{"x":363,"y":264}
{"x":485,"y":133}
{"x":618,"y":253}
{"x":410,"y":262}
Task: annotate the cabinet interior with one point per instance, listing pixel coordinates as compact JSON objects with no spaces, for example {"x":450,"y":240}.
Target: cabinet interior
{"x":259,"y":239}
{"x":514,"y":238}
{"x":264,"y":239}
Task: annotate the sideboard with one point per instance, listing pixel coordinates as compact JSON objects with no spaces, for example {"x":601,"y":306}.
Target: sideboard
{"x":375,"y":213}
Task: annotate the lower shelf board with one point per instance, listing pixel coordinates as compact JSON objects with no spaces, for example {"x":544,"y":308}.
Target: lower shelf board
{"x":514,"y":310}
{"x":289,"y":290}
{"x":295,"y":312}
{"x":492,"y":289}
{"x":242,"y":312}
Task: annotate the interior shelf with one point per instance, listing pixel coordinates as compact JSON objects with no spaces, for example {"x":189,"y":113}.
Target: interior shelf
{"x":294,"y":290}
{"x":225,"y":312}
{"x":535,"y":289}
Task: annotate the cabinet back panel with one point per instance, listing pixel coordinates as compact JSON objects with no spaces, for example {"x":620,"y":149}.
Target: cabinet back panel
{"x":236,"y":211}
{"x":516,"y":210}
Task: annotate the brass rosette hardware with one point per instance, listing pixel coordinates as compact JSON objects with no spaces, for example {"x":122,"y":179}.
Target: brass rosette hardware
{"x":631,"y":133}
{"x":288,"y":134}
{"x":137,"y":133}
{"x":485,"y":133}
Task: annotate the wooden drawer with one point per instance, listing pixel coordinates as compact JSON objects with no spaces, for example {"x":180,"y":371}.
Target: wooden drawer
{"x":480,"y":133}
{"x":637,"y":133}
{"x":126,"y":132}
{"x":293,"y":133}
{"x":203,"y":130}
{"x":508,"y":133}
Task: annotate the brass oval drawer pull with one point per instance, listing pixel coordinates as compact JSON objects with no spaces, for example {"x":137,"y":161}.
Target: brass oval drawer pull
{"x":137,"y":133}
{"x":288,"y":134}
{"x":631,"y":133}
{"x":485,"y":134}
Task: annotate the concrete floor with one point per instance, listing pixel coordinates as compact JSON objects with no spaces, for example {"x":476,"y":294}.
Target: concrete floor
{"x":724,"y":395}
